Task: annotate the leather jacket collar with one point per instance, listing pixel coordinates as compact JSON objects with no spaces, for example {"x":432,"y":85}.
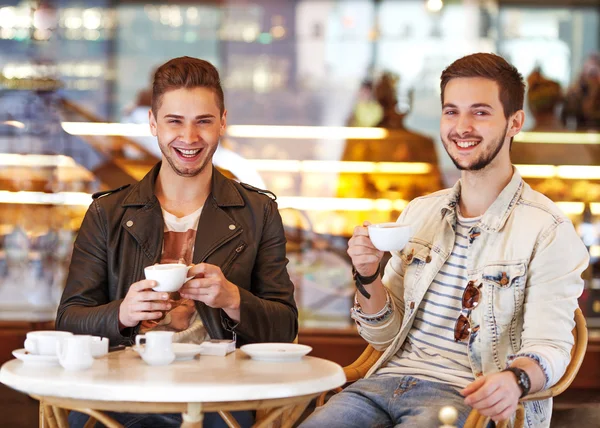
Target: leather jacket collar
{"x":223,"y":191}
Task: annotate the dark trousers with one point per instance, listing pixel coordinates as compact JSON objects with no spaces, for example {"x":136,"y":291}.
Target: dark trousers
{"x":155,"y":420}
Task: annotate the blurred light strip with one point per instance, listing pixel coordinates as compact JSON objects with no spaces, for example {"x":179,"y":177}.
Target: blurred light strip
{"x":537,"y":171}
{"x":595,"y":251}
{"x":340,"y":204}
{"x":579,"y":172}
{"x":595,"y":208}
{"x":306,"y":132}
{"x":568,"y":172}
{"x":14,"y":123}
{"x":12,"y":159}
{"x":107,"y":129}
{"x":337,"y":166}
{"x":41,"y":198}
{"x":340,"y":166}
{"x":558,"y":137}
{"x":571,"y":208}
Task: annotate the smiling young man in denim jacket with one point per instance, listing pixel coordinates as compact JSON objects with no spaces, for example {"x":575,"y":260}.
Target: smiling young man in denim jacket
{"x":477,"y":310}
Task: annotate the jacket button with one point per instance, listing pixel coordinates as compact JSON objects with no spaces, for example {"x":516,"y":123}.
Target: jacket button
{"x":504,"y":279}
{"x":129,"y":223}
{"x":412,"y":305}
{"x":231,"y":226}
{"x":428,"y":259}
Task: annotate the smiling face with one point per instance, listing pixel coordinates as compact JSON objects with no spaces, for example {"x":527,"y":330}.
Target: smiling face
{"x":473,"y":127}
{"x":188,"y":126}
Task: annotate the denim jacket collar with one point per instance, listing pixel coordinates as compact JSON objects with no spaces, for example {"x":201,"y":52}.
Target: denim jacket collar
{"x":495,"y":217}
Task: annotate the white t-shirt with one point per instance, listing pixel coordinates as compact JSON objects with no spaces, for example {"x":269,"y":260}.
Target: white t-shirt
{"x":178,"y":247}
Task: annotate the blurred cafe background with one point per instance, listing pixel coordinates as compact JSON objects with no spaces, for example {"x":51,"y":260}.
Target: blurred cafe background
{"x":334,"y":105}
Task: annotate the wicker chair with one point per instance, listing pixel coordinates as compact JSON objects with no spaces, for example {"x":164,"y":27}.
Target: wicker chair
{"x":365,"y":361}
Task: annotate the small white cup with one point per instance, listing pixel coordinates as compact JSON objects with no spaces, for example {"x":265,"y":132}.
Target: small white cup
{"x":75,"y":352}
{"x":170,"y":277}
{"x":158,"y":350}
{"x":389,"y":236}
{"x":99,"y":345}
{"x":43,"y":342}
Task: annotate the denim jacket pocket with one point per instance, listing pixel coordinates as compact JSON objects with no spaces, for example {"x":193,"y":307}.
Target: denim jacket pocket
{"x":414,"y":257}
{"x":505,"y":283}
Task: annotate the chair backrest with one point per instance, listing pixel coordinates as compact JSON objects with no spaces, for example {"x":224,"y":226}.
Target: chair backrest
{"x":580,"y":334}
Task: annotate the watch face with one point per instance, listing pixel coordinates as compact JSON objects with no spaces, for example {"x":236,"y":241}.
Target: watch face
{"x":524,"y":380}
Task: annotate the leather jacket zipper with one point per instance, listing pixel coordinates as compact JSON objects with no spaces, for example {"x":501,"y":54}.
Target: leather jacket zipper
{"x":227,"y":265}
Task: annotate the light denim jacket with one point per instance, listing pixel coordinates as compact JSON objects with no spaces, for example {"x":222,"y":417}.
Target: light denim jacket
{"x":529,"y":259}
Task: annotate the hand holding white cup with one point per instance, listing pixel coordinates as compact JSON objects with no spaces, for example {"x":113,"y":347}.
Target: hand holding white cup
{"x":169,"y":277}
{"x":389,"y":236}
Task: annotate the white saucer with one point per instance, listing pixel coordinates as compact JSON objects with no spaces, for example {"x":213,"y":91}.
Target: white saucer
{"x":33,"y":359}
{"x":183,"y":351}
{"x":276,"y":352}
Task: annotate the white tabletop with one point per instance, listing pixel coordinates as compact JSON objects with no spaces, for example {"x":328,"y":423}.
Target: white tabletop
{"x":124,"y":376}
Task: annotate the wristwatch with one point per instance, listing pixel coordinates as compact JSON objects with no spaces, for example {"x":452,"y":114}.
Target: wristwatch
{"x":360,"y":281}
{"x":522,"y":379}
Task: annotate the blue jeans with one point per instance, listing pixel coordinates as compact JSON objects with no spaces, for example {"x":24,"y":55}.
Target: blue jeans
{"x":156,"y":420}
{"x":389,"y":401}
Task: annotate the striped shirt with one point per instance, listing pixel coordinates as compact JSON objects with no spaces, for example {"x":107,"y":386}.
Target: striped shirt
{"x":430,"y":351}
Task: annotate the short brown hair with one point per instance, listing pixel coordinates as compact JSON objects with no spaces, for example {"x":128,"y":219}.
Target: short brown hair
{"x":186,"y":72}
{"x":493,"y":67}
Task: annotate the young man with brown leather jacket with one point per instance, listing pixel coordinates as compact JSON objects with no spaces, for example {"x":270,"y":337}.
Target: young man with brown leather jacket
{"x":183,"y":210}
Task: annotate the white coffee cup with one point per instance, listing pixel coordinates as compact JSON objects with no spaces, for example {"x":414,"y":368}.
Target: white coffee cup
{"x":43,"y":342}
{"x":75,"y":352}
{"x":169,"y":276}
{"x":389,"y":236}
{"x":158,"y":350}
{"x":99,"y":345}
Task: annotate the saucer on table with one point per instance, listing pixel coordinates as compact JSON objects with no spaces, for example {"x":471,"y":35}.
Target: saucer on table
{"x":183,"y":351}
{"x":34,"y":359}
{"x":276,"y":352}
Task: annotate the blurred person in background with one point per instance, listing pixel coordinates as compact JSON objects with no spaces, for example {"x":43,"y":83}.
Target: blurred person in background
{"x":476,"y":311}
{"x":583,"y":98}
{"x":367,"y":111}
{"x":183,"y":210}
{"x":544,"y":98}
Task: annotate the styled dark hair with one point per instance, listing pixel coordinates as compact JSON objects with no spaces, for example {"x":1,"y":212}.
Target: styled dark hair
{"x":490,"y":66}
{"x":186,"y":72}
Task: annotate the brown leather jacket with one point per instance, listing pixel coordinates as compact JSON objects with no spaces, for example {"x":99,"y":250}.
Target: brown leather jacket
{"x":240,"y":230}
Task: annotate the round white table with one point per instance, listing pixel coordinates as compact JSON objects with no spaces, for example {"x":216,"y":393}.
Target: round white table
{"x":122,"y":382}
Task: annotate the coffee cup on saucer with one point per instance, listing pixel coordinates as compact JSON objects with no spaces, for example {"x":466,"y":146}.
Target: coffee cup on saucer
{"x":43,"y":342}
{"x":158,"y":350}
{"x":170,"y":277}
{"x":389,"y":236}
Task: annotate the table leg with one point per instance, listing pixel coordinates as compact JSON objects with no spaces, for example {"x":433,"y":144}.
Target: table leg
{"x":41,"y":416}
{"x":294,"y":414}
{"x":193,"y":417}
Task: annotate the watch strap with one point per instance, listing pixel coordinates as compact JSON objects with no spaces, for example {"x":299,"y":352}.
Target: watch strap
{"x":360,"y":281}
{"x":523,"y":380}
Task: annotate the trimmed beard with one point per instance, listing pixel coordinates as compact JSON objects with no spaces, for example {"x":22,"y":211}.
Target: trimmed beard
{"x":485,"y":160}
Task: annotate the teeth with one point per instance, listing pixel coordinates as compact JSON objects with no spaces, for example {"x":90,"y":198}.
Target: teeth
{"x":465,"y":144}
{"x":189,"y":152}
